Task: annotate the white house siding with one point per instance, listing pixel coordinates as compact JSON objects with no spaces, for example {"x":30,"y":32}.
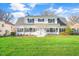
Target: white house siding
{"x":40,"y":29}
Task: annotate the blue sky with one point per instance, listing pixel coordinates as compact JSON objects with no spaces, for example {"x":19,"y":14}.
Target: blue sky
{"x":21,"y":9}
{"x":37,"y":8}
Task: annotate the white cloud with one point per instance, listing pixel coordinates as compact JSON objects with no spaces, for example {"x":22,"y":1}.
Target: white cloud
{"x":62,"y":12}
{"x":75,"y":9}
{"x":67,"y":12}
{"x":59,"y":10}
{"x":18,"y":14}
{"x":50,"y":9}
{"x":21,"y":8}
{"x":32,"y":5}
{"x":18,"y":6}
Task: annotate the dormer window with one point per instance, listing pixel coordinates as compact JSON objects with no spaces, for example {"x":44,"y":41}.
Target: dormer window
{"x":51,"y":20}
{"x":40,"y":20}
{"x":30,"y":20}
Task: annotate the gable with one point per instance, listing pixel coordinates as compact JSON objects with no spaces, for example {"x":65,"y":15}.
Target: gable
{"x":61,"y":21}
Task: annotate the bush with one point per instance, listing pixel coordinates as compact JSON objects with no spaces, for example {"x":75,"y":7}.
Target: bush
{"x":73,"y":33}
{"x":13,"y":33}
{"x":63,"y":33}
{"x":68,"y":30}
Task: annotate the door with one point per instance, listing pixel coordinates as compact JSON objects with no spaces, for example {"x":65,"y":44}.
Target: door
{"x":41,"y":32}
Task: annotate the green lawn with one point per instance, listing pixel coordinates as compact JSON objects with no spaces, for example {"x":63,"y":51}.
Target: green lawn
{"x":42,"y":46}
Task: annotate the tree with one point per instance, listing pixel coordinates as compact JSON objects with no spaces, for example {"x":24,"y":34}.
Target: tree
{"x":6,"y":16}
{"x":73,"y":19}
{"x":68,"y":30}
{"x":48,"y":13}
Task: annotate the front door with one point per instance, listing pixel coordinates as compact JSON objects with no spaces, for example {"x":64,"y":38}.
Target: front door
{"x":41,"y":32}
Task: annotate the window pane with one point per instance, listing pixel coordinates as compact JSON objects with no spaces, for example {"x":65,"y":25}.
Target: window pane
{"x":30,"y":20}
{"x":40,"y":20}
{"x":51,"y":20}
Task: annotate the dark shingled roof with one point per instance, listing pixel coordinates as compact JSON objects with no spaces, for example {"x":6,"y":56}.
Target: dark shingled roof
{"x":62,"y":21}
{"x":21,"y":20}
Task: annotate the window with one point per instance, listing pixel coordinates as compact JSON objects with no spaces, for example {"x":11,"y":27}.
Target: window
{"x":51,"y":20}
{"x":58,"y":20}
{"x":51,"y":29}
{"x":6,"y":32}
{"x":2,"y":25}
{"x":26,"y":30}
{"x":61,"y":29}
{"x":40,"y":20}
{"x":77,"y":30}
{"x":56,"y":29}
{"x":32,"y":29}
{"x":47,"y":30}
{"x":29,"y":29}
{"x":19,"y":29}
{"x":30,"y":20}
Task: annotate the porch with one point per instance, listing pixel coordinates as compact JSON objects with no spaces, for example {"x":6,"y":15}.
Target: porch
{"x":38,"y":31}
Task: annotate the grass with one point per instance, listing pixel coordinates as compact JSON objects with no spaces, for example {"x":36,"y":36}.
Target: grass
{"x":42,"y":46}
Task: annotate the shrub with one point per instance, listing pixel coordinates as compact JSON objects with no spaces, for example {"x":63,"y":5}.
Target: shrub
{"x":68,"y":31}
{"x":63,"y":33}
{"x":13,"y":33}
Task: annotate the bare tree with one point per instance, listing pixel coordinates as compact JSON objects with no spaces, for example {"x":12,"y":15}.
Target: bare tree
{"x":73,"y":19}
{"x":6,"y":16}
{"x":45,"y":13}
{"x":48,"y":13}
{"x":2,"y":13}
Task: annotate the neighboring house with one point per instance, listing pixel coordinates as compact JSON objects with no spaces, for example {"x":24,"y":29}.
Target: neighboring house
{"x":74,"y":26}
{"x":6,"y":28}
{"x":40,"y":25}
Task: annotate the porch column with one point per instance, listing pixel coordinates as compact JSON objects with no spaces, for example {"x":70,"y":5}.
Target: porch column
{"x":58,"y":31}
{"x":23,"y":32}
{"x":55,"y":20}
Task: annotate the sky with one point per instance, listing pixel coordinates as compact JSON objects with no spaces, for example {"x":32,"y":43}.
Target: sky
{"x":21,"y":9}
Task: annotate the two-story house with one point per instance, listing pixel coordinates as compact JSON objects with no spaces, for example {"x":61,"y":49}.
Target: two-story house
{"x":6,"y":28}
{"x":40,"y":25}
{"x":74,"y":25}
